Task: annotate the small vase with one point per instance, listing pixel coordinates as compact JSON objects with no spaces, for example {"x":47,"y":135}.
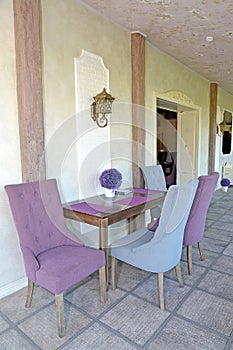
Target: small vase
{"x":224,"y":188}
{"x":109,"y":193}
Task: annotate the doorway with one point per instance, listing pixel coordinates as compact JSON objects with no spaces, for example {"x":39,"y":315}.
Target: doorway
{"x":167,"y":143}
{"x":177,"y":141}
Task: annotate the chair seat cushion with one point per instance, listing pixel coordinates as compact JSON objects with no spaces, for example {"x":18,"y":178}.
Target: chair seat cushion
{"x":123,"y":248}
{"x":64,"y":266}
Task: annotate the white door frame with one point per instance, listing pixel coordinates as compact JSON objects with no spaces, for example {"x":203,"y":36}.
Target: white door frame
{"x":182,"y":102}
{"x":187,"y":145}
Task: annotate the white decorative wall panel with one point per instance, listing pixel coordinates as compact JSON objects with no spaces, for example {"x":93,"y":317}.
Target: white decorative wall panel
{"x":91,"y":77}
{"x":93,"y":143}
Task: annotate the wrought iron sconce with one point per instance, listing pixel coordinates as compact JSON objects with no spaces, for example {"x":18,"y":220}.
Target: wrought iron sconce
{"x":223,"y":127}
{"x":101,"y":106}
{"x":220,"y":128}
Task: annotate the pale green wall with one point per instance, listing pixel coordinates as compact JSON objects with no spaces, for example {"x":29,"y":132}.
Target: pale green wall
{"x":67,"y":29}
{"x":165,"y":74}
{"x":225,"y":102}
{"x":11,"y":263}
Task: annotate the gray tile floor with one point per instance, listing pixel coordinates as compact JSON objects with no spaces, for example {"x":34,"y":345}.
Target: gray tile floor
{"x":197,"y":317}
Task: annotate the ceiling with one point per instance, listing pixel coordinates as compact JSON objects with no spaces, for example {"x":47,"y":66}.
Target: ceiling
{"x":182,"y":29}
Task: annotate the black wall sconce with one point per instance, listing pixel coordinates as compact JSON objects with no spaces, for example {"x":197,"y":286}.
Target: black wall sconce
{"x":101,"y":106}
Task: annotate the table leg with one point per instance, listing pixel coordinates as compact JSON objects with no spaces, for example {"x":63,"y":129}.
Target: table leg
{"x":103,"y":244}
{"x":139,"y":221}
{"x":130,"y":224}
{"x":136,"y":222}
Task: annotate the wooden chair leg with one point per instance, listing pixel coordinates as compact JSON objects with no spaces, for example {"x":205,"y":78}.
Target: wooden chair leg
{"x":201,"y":250}
{"x":189,"y":258}
{"x":113,"y":272}
{"x":160,"y":290}
{"x":29,"y":293}
{"x":179,"y":276}
{"x":102,"y":282}
{"x":60,"y":314}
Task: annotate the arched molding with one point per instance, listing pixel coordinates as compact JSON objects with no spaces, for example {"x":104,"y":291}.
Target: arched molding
{"x":177,"y":97}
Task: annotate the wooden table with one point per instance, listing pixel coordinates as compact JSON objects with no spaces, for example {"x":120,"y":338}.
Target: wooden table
{"x":103,"y":212}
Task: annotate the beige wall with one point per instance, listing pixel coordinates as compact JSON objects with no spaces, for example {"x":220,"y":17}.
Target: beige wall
{"x":68,"y":28}
{"x":225,"y":102}
{"x":164,"y":74}
{"x":11,"y":265}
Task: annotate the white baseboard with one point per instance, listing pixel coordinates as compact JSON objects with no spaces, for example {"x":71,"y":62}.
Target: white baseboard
{"x":13,"y":287}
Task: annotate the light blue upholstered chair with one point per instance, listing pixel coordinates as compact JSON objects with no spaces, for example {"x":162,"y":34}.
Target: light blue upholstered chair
{"x":154,"y":180}
{"x":161,"y":250}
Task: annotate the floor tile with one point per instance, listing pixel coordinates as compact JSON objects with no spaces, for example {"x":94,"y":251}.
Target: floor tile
{"x":209,"y":257}
{"x":128,"y":277}
{"x":189,"y":280}
{"x":219,"y":204}
{"x":229,"y":250}
{"x":87,"y":297}
{"x":214,"y":245}
{"x":218,"y":234}
{"x":173,"y":293}
{"x":209,"y":310}
{"x":98,"y":338}
{"x":209,"y":223}
{"x":213,"y":215}
{"x":3,"y":325}
{"x":135,"y":318}
{"x":196,"y":317}
{"x":223,"y":225}
{"x":42,"y":327}
{"x":14,"y":305}
{"x":224,"y":264}
{"x":217,"y":210}
{"x":179,"y":334}
{"x":219,"y":284}
{"x":216,"y":203}
{"x":11,"y":340}
{"x":226,"y":218}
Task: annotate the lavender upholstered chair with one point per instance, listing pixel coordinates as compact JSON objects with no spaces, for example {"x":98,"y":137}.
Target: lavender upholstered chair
{"x":195,"y":226}
{"x":161,"y":250}
{"x":54,"y":258}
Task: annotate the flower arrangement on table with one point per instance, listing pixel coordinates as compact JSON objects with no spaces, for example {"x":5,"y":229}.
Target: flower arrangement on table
{"x":110,"y":179}
{"x":225,"y":183}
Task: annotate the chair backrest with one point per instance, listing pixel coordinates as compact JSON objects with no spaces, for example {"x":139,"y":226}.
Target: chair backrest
{"x":38,"y":215}
{"x":195,"y":226}
{"x":176,"y":208}
{"x":154,"y":177}
{"x":164,"y":250}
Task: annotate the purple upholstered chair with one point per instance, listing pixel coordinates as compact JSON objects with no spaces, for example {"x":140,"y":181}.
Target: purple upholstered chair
{"x":195,"y":227}
{"x":54,"y":258}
